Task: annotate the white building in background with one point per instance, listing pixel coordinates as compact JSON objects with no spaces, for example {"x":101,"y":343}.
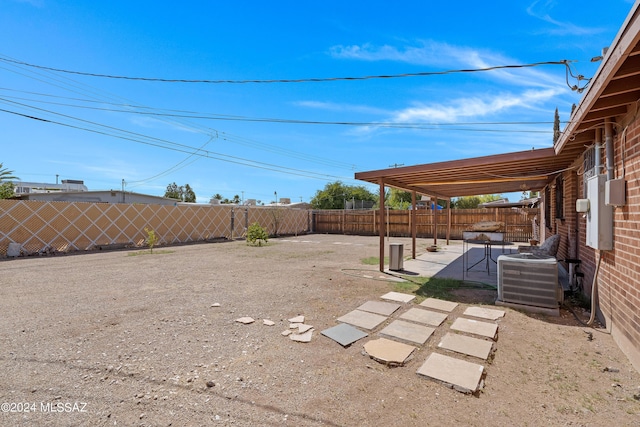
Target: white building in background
{"x":67,"y":185}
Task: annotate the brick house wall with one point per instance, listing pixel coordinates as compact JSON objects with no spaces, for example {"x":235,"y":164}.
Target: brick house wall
{"x":618,"y":280}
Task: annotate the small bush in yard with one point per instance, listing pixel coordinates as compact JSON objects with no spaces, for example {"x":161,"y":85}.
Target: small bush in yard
{"x":256,"y":234}
{"x":152,"y":239}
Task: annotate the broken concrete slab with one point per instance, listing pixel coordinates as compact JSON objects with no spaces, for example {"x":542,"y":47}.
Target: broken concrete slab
{"x":406,"y":331}
{"x":306,"y":337}
{"x":475,"y":327}
{"x":268,"y":322}
{"x":466,"y":345}
{"x":379,"y":307}
{"x":294,"y":325}
{"x":484,"y":313}
{"x":297,"y":319}
{"x":245,"y":320}
{"x":344,"y":334}
{"x":388,"y":351}
{"x":438,"y":304}
{"x":362,"y":319}
{"x":287,"y":332}
{"x":426,"y":317}
{"x":398,"y":297}
{"x":458,"y":374}
{"x":302,"y":328}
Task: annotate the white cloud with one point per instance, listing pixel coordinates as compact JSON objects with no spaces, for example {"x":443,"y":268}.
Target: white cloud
{"x":540,"y":10}
{"x":446,"y":56}
{"x":474,"y":107}
{"x":332,"y":106}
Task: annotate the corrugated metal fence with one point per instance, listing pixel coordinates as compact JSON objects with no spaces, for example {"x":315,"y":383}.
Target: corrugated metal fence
{"x":78,"y":226}
{"x":518,"y":222}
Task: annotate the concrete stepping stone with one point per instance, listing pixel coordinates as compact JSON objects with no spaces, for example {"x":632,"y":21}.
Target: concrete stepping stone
{"x":426,"y":317}
{"x":484,"y":313}
{"x":475,"y":327}
{"x":362,"y":319}
{"x":245,"y":320}
{"x":388,"y":352}
{"x":458,"y":374}
{"x":438,"y":304}
{"x":306,"y":337}
{"x":344,"y":334}
{"x":398,"y":297}
{"x":379,"y":307}
{"x":466,"y":345}
{"x":406,"y":331}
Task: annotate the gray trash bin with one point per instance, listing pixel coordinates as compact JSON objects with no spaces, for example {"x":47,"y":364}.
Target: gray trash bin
{"x":396,"y":259}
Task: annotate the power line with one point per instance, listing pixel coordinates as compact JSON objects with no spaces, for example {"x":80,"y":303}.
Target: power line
{"x":301,"y":80}
{"x":221,"y":117}
{"x":181,"y":147}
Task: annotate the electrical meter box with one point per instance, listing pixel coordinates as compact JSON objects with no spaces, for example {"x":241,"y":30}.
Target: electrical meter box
{"x":599,"y":215}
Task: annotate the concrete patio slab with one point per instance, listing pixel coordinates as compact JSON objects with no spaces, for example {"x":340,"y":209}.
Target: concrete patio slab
{"x":475,"y":327}
{"x":466,"y":345}
{"x":362,"y":319}
{"x":398,"y":296}
{"x":458,"y":374}
{"x":438,"y":304}
{"x":306,"y":337}
{"x":484,"y":313}
{"x":426,"y":317}
{"x":388,"y":351}
{"x":379,"y":307}
{"x":406,"y":331}
{"x":344,"y":334}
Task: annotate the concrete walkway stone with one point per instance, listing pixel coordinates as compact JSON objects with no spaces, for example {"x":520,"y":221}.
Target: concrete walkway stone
{"x":426,"y":317}
{"x":398,"y":297}
{"x":379,"y":307}
{"x":458,"y":374}
{"x":344,"y":334}
{"x":475,"y":327}
{"x":406,"y":331}
{"x":466,"y":345}
{"x":388,"y":351}
{"x":362,"y":319}
{"x":484,"y":313}
{"x":438,"y":304}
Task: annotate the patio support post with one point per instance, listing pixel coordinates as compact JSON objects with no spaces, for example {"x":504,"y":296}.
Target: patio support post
{"x":381,"y":226}
{"x":413,"y":224}
{"x":448,"y":220}
{"x":434,"y":202}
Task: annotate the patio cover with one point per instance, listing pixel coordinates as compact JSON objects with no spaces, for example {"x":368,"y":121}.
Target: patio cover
{"x":500,"y":173}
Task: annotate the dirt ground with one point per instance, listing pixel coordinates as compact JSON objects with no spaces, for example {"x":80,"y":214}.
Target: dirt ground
{"x":108,"y":338}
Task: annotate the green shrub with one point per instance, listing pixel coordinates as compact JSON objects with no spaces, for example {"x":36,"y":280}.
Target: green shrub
{"x":152,"y":239}
{"x":256,"y":234}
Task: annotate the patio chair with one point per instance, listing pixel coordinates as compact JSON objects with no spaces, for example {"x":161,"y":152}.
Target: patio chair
{"x":548,"y":248}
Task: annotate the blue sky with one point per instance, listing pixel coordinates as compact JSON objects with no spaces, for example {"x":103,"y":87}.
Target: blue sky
{"x":255,"y":139}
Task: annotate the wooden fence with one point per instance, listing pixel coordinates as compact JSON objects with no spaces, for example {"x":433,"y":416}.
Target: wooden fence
{"x":518,"y":222}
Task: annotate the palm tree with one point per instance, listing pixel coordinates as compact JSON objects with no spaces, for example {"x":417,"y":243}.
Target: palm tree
{"x":6,"y":175}
{"x":6,"y":186}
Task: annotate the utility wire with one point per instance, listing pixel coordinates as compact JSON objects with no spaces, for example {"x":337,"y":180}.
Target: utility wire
{"x":394,"y":125}
{"x":303,"y":80}
{"x":181,"y":147}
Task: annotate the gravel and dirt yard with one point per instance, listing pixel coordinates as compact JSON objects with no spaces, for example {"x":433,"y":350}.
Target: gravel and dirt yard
{"x":124,"y":338}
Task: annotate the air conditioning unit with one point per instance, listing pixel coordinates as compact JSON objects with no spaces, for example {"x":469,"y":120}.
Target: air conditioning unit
{"x":529,"y":280}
